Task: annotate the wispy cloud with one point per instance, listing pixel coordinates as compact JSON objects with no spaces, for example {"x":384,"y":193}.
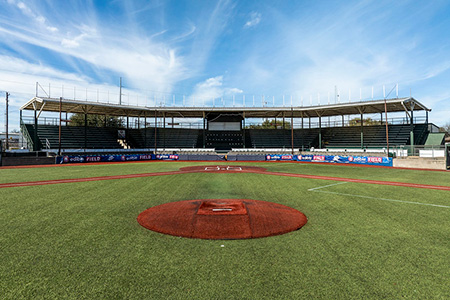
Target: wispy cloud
{"x":213,"y":88}
{"x":305,"y":51}
{"x":141,"y":61}
{"x":255,"y":18}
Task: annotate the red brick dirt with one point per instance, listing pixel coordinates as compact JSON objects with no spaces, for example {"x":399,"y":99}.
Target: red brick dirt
{"x":222,"y":219}
{"x":223,"y":169}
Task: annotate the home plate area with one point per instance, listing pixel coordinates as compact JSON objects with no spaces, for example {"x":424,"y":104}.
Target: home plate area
{"x":223,"y":169}
{"x":227,"y":168}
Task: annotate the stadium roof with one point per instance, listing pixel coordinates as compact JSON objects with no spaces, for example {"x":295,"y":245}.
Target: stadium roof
{"x":40,"y":104}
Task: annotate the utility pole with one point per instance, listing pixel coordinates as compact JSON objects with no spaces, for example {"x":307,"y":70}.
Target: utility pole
{"x":6,"y":125}
{"x":120,"y":91}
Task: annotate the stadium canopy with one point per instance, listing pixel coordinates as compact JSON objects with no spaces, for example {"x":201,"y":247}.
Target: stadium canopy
{"x":40,"y":104}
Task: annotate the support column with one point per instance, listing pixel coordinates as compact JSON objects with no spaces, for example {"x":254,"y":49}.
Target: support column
{"x":343,"y":122}
{"x":362,"y":131}
{"x":59,"y":129}
{"x":243,"y":129}
{"x":320,"y":132}
{"x":126,"y":131}
{"x":156,"y":130}
{"x":35,"y":138}
{"x":164,"y":130}
{"x":292,"y":129}
{"x":302,"y":132}
{"x":204,"y":130}
{"x":145,"y":130}
{"x":85,"y":131}
{"x":411,"y":126}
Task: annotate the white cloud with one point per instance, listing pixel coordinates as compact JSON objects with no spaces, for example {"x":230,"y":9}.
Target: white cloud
{"x":40,"y":19}
{"x":255,"y":19}
{"x":69,"y":43}
{"x":212,"y":88}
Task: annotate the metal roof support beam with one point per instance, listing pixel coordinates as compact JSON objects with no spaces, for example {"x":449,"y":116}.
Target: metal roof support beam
{"x":204,"y":129}
{"x":406,"y":110}
{"x":413,"y":102}
{"x":292,"y":128}
{"x":243,"y":128}
{"x":411,"y":124}
{"x":35,"y":137}
{"x":156,"y":131}
{"x":301,"y":114}
{"x":41,"y":110}
{"x":164,"y":130}
{"x":319,"y":114}
{"x":361,"y":111}
{"x":145,"y":130}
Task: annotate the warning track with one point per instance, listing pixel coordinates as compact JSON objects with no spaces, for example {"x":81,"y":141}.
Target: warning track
{"x":224,"y":169}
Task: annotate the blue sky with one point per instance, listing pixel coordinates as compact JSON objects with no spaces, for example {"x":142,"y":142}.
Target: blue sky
{"x":208,"y":50}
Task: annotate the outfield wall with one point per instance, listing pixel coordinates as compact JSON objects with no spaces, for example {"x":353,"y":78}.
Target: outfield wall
{"x":420,"y":163}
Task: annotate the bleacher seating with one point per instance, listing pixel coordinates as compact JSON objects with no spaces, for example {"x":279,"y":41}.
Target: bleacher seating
{"x":165,"y":138}
{"x":373,"y":136}
{"x":73,"y":137}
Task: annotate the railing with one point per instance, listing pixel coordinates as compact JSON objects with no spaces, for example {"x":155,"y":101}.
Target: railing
{"x":26,"y":135}
{"x":326,"y":123}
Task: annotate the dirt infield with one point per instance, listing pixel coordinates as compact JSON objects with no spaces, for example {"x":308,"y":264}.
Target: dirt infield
{"x":225,"y":169}
{"x":222,"y":219}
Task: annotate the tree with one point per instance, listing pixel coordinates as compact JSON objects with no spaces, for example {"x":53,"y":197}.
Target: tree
{"x":445,"y":128}
{"x":96,"y":121}
{"x":270,"y":124}
{"x":367,"y":122}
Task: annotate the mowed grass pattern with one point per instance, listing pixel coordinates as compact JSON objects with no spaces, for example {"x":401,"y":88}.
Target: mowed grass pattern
{"x":82,"y":240}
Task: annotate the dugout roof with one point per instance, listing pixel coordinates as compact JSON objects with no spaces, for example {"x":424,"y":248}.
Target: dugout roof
{"x":40,"y":104}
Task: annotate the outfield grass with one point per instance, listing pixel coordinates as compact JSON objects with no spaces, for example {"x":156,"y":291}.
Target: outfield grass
{"x":82,"y":240}
{"x":346,"y":171}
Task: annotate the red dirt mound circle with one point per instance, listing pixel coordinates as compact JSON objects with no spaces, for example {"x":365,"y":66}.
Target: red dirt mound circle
{"x":222,"y":219}
{"x":223,"y":168}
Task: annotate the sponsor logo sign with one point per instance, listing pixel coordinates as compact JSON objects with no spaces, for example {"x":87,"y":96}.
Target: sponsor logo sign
{"x":280,"y":157}
{"x":365,"y":160}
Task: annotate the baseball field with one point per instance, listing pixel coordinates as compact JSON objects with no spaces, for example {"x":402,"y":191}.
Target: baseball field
{"x":71,"y":232}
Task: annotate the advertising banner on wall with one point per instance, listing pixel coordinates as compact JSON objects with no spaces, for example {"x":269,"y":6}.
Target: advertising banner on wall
{"x":362,"y":160}
{"x":274,"y":157}
{"x":68,"y":159}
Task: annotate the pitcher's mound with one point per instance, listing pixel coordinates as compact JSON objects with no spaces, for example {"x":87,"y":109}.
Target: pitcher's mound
{"x":222,"y":219}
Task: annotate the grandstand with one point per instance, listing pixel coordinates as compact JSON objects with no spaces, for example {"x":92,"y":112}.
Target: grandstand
{"x":224,"y":128}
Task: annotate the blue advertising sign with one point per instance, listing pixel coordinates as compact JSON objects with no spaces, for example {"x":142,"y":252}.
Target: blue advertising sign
{"x":362,"y":160}
{"x":274,"y":157}
{"x":67,"y":159}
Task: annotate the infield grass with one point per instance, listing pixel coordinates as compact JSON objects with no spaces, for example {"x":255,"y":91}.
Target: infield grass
{"x":82,"y":240}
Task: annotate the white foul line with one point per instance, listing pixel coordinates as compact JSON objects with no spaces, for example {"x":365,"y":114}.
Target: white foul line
{"x":382,"y":199}
{"x":321,"y":187}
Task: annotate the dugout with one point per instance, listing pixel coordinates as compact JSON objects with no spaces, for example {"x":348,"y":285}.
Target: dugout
{"x":447,"y":155}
